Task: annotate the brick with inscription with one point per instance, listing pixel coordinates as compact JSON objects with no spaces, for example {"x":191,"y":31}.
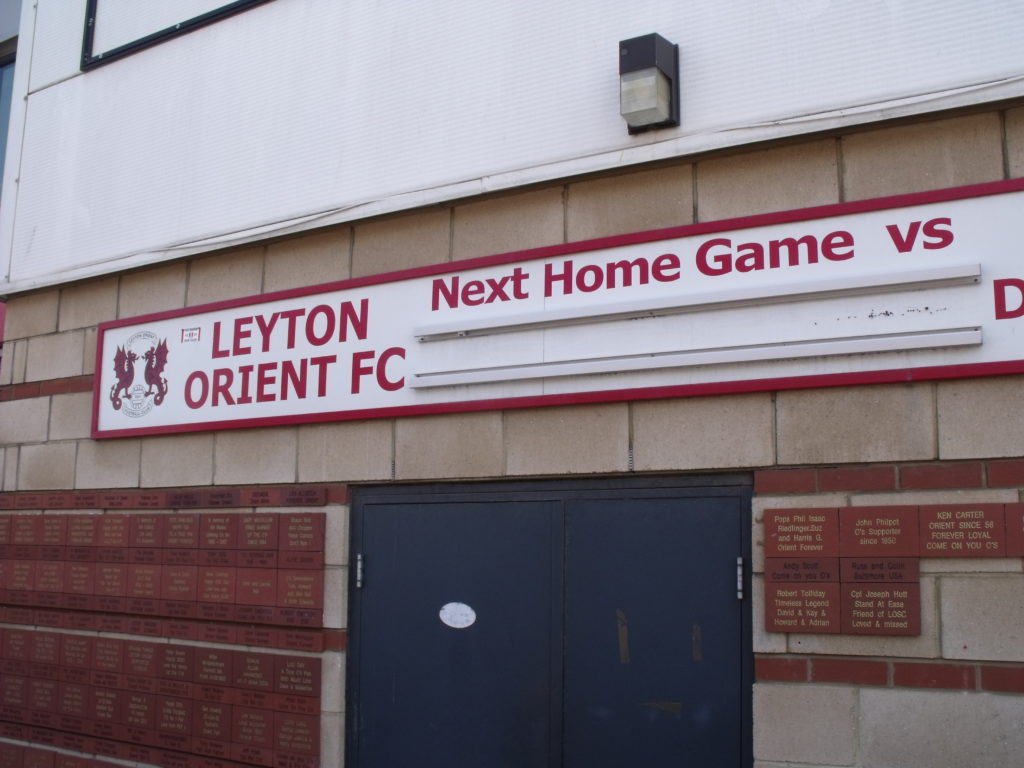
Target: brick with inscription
{"x":218,"y":531}
{"x":179,"y":582}
{"x":804,"y":608}
{"x":145,"y":555}
{"x":44,"y":648}
{"x":141,"y":658}
{"x":214,"y":666}
{"x":877,"y":609}
{"x":42,"y":696}
{"x":49,"y":576}
{"x":217,"y":633}
{"x":963,"y":530}
{"x":300,"y":640}
{"x":215,"y":585}
{"x":299,"y":734}
{"x":264,"y":637}
{"x":53,"y":530}
{"x":25,"y":530}
{"x":82,"y":530}
{"x":118,"y":499}
{"x":801,"y":532}
{"x":108,"y":654}
{"x":879,"y":569}
{"x":73,"y":699}
{"x":20,"y":575}
{"x":179,"y":556}
{"x":176,"y":662}
{"x":878,"y":531}
{"x":252,"y":727}
{"x":180,"y":629}
{"x":258,"y":532}
{"x":5,"y":528}
{"x":139,"y":710}
{"x":301,"y":532}
{"x":173,"y":715}
{"x":256,"y":586}
{"x":253,"y":670}
{"x":299,"y":675}
{"x":105,"y":704}
{"x":787,"y":569}
{"x":212,"y":721}
{"x":114,"y":531}
{"x":17,"y":644}
{"x":111,"y":579}
{"x":300,"y":589}
{"x":146,"y":531}
{"x":76,"y":657}
{"x":181,"y":531}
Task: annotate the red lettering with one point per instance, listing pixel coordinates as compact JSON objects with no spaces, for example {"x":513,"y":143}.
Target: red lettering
{"x":937,"y":233}
{"x":589,"y":278}
{"x":357,"y":321}
{"x":244,"y":398}
{"x":293,"y":378}
{"x":217,"y":351}
{"x":712,"y":264}
{"x":564,"y":277}
{"x":1003,"y":312}
{"x":266,"y":328}
{"x":450,"y":294}
{"x":318,"y":340}
{"x":473,"y":293}
{"x":666,"y":268}
{"x":833,"y":242}
{"x":291,"y":315}
{"x":204,"y":389}
{"x":265,"y":378}
{"x":221,"y":383}
{"x":904,"y":243}
{"x":321,"y":363}
{"x":242,"y":331}
{"x":389,"y":385}
{"x":359,"y":369}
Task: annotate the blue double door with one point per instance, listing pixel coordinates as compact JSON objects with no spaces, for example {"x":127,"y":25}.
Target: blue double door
{"x":551,"y":625}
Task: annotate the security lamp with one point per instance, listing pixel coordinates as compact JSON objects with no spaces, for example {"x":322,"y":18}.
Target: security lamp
{"x":649,"y":82}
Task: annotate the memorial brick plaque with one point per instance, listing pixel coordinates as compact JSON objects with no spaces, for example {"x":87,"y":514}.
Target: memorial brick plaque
{"x":252,"y":728}
{"x":214,"y":667}
{"x":213,"y":721}
{"x":879,"y":569}
{"x":44,"y":648}
{"x":114,"y":531}
{"x":878,"y":531}
{"x":876,"y":609}
{"x":5,"y":529}
{"x":301,"y":540}
{"x":176,"y":662}
{"x":260,"y":636}
{"x":300,"y":589}
{"x":24,"y":530}
{"x":813,"y":609}
{"x":1014,"y":530}
{"x":253,"y":670}
{"x":179,"y":582}
{"x":258,"y":531}
{"x":139,"y":710}
{"x":215,"y":585}
{"x":111,"y":579}
{"x":217,"y":633}
{"x":173,"y":715}
{"x":955,"y":530}
{"x":140,"y":658}
{"x":53,"y":530}
{"x":49,"y":576}
{"x":801,"y":533}
{"x":181,"y":531}
{"x":256,"y":586}
{"x":218,"y":532}
{"x":146,"y":531}
{"x":297,"y":675}
{"x":108,"y":654}
{"x":299,"y":734}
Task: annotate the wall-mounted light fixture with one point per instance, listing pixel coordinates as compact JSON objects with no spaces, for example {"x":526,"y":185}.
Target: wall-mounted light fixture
{"x":649,"y":82}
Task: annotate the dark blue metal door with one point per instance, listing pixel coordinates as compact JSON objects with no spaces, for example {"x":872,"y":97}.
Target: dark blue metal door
{"x":550,"y":625}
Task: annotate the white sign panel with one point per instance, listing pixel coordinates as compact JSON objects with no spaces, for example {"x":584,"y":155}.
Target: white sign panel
{"x":921,"y":286}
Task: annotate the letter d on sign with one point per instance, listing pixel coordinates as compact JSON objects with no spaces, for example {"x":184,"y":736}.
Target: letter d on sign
{"x":1000,"y":287}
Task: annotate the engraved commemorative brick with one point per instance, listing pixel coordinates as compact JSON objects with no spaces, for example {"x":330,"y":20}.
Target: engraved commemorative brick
{"x":146,"y":531}
{"x":253,"y":670}
{"x":300,"y":589}
{"x":963,"y":530}
{"x":878,"y":531}
{"x":805,"y":608}
{"x":298,"y":734}
{"x":256,"y":586}
{"x":879,"y":569}
{"x":882,"y":609}
{"x":297,"y":675}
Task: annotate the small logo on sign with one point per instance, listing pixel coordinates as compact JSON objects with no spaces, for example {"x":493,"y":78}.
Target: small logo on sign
{"x":190,"y":334}
{"x":136,"y":399}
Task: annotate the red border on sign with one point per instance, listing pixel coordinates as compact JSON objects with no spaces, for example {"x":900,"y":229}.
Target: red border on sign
{"x":652,"y":393}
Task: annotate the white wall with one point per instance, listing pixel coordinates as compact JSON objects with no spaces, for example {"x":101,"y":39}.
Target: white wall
{"x":300,"y":113}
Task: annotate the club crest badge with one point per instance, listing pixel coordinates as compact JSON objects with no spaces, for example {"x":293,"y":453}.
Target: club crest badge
{"x":128,"y":395}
